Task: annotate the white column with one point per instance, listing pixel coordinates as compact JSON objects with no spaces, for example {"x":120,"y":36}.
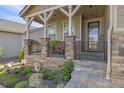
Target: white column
{"x":70,"y":20}
{"x":27,"y":30}
{"x":45,"y":25}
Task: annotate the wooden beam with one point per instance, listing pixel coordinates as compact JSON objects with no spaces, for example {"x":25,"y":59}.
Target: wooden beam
{"x":65,"y":12}
{"x":70,"y":20}
{"x":76,"y":9}
{"x":41,"y":18}
{"x":30,"y":21}
{"x":46,"y":10}
{"x":50,"y":14}
{"x":27,"y":29}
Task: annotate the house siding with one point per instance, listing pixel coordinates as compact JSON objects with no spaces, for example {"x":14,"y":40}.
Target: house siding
{"x":120,"y":16}
{"x":10,"y":43}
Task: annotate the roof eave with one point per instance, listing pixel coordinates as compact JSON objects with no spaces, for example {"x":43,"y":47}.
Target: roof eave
{"x":24,"y":10}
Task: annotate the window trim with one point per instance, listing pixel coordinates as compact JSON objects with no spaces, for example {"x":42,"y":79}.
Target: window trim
{"x":63,"y":29}
{"x":86,"y":27}
{"x":55,"y":30}
{"x":88,"y":35}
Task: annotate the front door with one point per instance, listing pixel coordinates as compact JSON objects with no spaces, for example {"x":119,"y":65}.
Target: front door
{"x":93,"y":35}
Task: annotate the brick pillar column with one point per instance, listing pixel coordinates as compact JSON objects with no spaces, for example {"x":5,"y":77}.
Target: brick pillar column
{"x":44,"y":47}
{"x":27,"y":47}
{"x":70,"y":47}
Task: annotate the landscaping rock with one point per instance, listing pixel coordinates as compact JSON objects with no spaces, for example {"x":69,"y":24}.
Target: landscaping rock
{"x":60,"y":85}
{"x":1,"y":86}
{"x":36,"y":80}
{"x":37,"y":67}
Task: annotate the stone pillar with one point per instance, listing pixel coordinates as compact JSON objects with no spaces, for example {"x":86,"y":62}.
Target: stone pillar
{"x":44,"y":47}
{"x":27,"y":47}
{"x":70,"y":47}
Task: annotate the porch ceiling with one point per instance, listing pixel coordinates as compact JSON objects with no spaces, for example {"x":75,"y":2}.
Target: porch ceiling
{"x":88,"y":11}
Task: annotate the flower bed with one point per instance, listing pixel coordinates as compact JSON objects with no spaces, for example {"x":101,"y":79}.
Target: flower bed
{"x":19,"y":77}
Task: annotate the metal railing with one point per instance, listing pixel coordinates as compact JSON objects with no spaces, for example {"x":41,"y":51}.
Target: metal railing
{"x":93,"y":50}
{"x":57,"y":49}
{"x":36,"y":47}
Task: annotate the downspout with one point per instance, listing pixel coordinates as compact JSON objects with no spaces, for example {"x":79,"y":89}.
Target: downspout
{"x":109,"y":33}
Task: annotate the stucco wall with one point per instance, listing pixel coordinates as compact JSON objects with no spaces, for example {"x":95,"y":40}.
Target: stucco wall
{"x":11,"y":43}
{"x":76,"y":27}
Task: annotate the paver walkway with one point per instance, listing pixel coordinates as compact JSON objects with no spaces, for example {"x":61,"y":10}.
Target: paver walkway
{"x":89,"y":74}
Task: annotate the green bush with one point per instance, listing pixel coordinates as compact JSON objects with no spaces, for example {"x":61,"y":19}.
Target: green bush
{"x":52,"y":43}
{"x":10,"y":81}
{"x":1,"y":52}
{"x":16,"y":70}
{"x":21,"y":84}
{"x":55,"y":81}
{"x":21,"y":55}
{"x":3,"y":76}
{"x":28,"y":75}
{"x":48,"y":74}
{"x":26,"y":70}
{"x":66,"y":70}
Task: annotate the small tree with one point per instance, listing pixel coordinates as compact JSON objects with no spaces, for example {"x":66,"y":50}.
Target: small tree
{"x":1,"y":52}
{"x":21,"y":55}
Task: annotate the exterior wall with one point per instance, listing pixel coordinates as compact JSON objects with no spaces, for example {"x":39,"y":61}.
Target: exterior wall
{"x":11,"y":43}
{"x":76,"y":27}
{"x":117,"y":59}
{"x":120,"y":16}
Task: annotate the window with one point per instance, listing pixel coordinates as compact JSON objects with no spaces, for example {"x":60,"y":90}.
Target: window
{"x":66,"y":29}
{"x":52,"y":31}
{"x":93,"y":35}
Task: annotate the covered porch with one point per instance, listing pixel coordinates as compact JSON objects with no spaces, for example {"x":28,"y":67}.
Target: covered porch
{"x":73,"y":32}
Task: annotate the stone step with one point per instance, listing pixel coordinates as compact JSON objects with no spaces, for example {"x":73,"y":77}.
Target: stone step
{"x":90,"y":68}
{"x":73,"y":83}
{"x":90,"y":63}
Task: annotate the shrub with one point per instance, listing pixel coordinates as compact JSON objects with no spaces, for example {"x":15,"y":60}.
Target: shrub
{"x":21,"y":55}
{"x":53,"y":43}
{"x":1,"y":52}
{"x":48,"y":74}
{"x":26,"y":70}
{"x":10,"y":81}
{"x":55,"y":81}
{"x":21,"y":84}
{"x":16,"y":70}
{"x":3,"y":76}
{"x":66,"y":70}
{"x":28,"y":75}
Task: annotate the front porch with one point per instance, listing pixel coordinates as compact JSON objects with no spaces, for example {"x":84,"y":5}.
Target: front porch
{"x":71,"y":32}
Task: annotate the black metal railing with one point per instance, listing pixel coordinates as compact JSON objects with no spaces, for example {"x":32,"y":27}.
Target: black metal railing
{"x":93,"y":50}
{"x":56,"y":48}
{"x":36,"y":47}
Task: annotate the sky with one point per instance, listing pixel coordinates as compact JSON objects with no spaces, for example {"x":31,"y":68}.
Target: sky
{"x":11,"y":12}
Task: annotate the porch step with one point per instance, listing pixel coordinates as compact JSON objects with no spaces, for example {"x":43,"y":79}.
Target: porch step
{"x":87,"y":80}
{"x":88,"y":66}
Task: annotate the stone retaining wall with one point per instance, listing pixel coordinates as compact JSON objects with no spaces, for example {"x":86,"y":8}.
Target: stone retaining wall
{"x":47,"y":62}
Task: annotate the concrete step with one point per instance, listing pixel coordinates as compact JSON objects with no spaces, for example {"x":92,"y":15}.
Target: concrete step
{"x":89,"y":68}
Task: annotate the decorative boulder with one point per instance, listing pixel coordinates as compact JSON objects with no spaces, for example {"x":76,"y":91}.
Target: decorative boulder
{"x":36,"y":80}
{"x":60,"y":85}
{"x":37,"y":67}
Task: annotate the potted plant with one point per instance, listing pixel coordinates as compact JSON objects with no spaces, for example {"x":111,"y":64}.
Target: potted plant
{"x":53,"y":44}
